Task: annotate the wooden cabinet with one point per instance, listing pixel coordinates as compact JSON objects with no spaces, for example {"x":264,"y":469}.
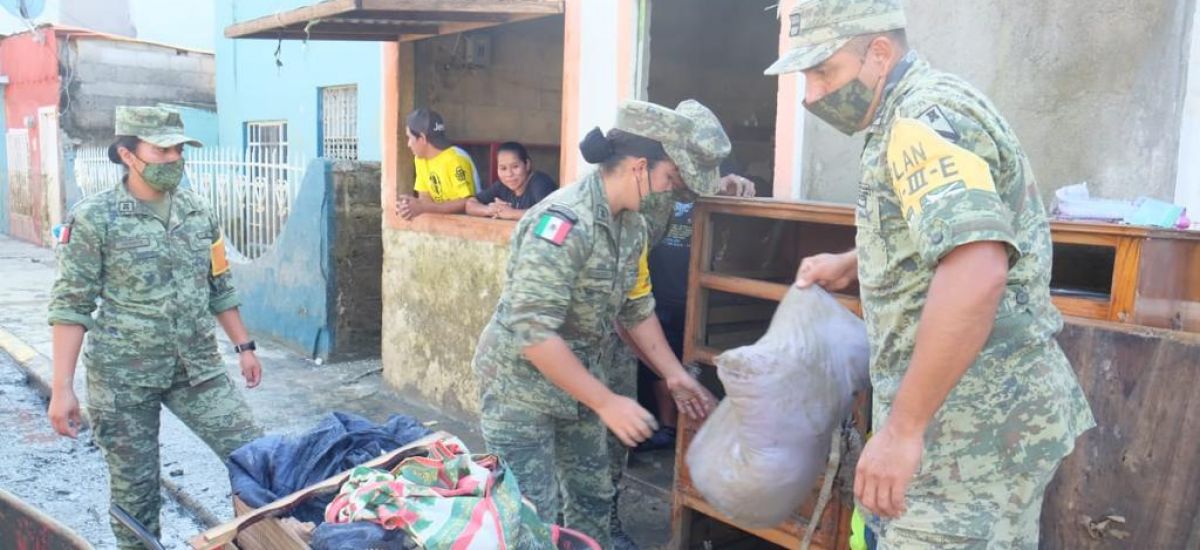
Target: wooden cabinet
{"x":745,"y":253}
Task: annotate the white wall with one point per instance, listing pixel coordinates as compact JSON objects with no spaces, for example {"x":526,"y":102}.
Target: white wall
{"x":598,"y":82}
{"x":1187,"y":184}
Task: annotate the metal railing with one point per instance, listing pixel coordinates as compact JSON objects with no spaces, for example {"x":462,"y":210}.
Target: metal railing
{"x":94,"y":172}
{"x":251,"y":192}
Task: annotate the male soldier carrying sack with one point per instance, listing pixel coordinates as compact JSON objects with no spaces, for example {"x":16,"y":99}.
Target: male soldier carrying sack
{"x":975,"y":404}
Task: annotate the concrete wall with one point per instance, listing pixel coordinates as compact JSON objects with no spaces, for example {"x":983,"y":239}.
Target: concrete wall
{"x":439,"y":291}
{"x":100,"y":74}
{"x":715,"y":52}
{"x":358,"y":259}
{"x":30,"y":61}
{"x":1094,"y":89}
{"x":3,"y":169}
{"x":1187,"y":183}
{"x":517,"y":97}
{"x":287,"y":293}
{"x":251,"y":86}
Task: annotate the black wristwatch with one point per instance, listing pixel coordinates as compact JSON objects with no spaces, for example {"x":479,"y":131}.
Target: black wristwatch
{"x":248,"y":346}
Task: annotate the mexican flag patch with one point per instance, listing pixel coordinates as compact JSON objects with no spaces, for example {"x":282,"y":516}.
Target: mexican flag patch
{"x":553,"y":228}
{"x":62,"y":233}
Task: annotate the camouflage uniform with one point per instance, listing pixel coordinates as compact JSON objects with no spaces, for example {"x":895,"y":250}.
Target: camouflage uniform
{"x":152,"y":341}
{"x":574,"y":286}
{"x":941,"y":168}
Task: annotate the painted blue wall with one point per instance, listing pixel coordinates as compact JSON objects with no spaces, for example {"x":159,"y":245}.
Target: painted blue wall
{"x":287,"y":294}
{"x":250,"y":87}
{"x":3,"y":170}
{"x":201,"y":124}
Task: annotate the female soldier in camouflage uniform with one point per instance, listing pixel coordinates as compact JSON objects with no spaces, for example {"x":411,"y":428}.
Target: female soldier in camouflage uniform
{"x":574,"y":268}
{"x":155,"y":255}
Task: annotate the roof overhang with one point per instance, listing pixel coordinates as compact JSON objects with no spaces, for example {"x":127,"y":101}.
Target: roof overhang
{"x":389,"y":20}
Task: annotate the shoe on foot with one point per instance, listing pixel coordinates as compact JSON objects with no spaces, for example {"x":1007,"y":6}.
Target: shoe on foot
{"x":663,"y":438}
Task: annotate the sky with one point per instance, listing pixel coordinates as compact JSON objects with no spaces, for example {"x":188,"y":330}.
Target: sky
{"x":188,"y":24}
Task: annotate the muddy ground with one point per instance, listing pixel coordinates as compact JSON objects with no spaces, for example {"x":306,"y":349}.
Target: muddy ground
{"x":65,"y":478}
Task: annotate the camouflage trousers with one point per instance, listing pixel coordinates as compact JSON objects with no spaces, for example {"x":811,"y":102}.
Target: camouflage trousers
{"x":549,"y":454}
{"x":125,"y":424}
{"x":622,"y":380}
{"x":999,"y":513}
{"x":988,"y":459}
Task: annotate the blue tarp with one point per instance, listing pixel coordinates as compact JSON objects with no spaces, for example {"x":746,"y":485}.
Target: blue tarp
{"x":274,"y":466}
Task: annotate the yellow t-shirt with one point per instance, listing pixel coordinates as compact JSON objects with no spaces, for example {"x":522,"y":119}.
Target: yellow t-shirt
{"x":449,"y":176}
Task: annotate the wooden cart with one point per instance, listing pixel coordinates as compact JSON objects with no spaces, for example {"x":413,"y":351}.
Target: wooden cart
{"x":23,"y":526}
{"x":1132,"y":292}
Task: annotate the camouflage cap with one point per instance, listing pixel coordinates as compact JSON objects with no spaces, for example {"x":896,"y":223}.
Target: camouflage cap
{"x":691,"y":135}
{"x":157,"y":125}
{"x":821,"y":27}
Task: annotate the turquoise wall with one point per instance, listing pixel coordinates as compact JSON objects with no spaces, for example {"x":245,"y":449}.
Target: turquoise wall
{"x":287,"y":294}
{"x":251,"y":87}
{"x":201,"y":124}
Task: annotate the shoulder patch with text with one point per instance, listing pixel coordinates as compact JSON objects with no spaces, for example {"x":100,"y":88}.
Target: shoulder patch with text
{"x":220,"y":262}
{"x":925,"y":167}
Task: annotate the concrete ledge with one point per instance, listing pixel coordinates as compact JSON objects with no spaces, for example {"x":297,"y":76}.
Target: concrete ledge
{"x":470,"y":228}
{"x":38,"y":368}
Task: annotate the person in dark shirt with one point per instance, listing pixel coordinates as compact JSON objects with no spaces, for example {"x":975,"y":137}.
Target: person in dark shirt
{"x":668,"y":261}
{"x":519,"y":187}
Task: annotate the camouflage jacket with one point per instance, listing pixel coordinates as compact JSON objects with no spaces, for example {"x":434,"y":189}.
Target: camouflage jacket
{"x":158,"y":288}
{"x":941,"y":168}
{"x":572,"y":285}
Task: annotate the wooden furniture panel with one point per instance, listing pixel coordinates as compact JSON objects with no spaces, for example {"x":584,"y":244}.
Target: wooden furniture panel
{"x":1142,"y":461}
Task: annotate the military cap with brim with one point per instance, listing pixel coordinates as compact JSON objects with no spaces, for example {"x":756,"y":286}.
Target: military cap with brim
{"x":819,"y":28}
{"x":156,"y":125}
{"x":690,"y":134}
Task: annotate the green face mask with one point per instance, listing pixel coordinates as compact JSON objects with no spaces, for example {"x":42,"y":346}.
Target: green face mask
{"x":846,"y":107}
{"x":656,"y":209}
{"x":164,"y":176}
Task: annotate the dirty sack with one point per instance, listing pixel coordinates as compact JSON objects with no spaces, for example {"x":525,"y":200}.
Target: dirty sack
{"x":274,"y":466}
{"x":445,"y":499}
{"x":759,"y":454}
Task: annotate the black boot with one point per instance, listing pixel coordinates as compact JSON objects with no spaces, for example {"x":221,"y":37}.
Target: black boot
{"x":620,"y":539}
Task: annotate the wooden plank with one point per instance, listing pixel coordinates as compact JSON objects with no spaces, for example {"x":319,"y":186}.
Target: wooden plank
{"x":1168,"y":292}
{"x":1081,"y":307}
{"x":387,"y":20}
{"x":224,"y":534}
{"x":746,"y":287}
{"x":268,"y":534}
{"x":1142,"y":461}
{"x":1125,"y":278}
{"x":434,"y":17}
{"x":542,"y":7}
{"x":301,"y":15}
{"x":774,"y":535}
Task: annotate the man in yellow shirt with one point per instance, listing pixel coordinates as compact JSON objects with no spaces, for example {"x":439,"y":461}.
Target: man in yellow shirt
{"x":446,"y":175}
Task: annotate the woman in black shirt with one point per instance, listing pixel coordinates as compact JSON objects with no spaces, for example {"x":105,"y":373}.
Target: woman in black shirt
{"x":518,"y":188}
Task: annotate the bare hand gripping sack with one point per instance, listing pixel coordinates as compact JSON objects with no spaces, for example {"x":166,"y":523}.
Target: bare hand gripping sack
{"x":759,"y":455}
